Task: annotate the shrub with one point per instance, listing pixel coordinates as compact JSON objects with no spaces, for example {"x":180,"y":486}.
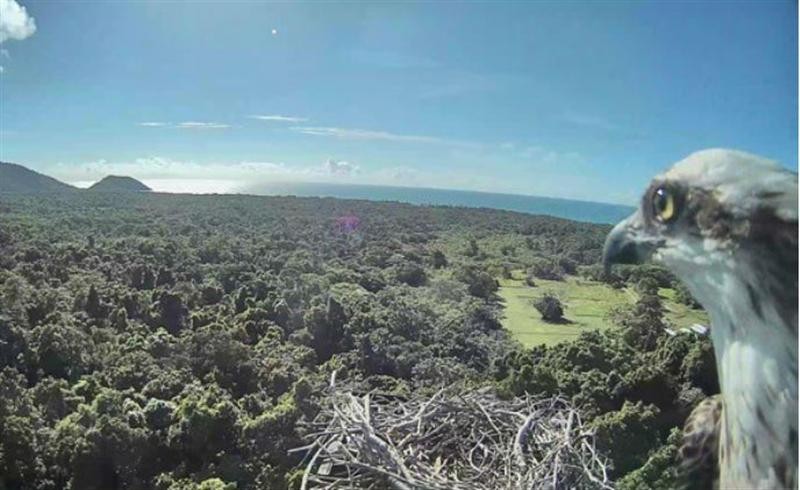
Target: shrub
{"x":439,"y":259}
{"x":411,"y":274}
{"x":550,"y":308}
{"x":647,"y":286}
{"x":479,"y":283}
{"x":683,"y":295}
{"x":546,"y":269}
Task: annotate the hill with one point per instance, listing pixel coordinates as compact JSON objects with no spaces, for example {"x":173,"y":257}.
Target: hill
{"x":16,"y":178}
{"x":116,"y":183}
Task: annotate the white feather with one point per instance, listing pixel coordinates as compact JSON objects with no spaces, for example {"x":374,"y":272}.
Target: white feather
{"x":756,"y":353}
{"x":740,"y":180}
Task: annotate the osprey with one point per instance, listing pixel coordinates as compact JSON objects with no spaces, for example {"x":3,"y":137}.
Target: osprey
{"x":725,"y":223}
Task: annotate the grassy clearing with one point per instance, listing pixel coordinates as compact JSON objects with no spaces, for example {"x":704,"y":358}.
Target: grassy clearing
{"x":587,"y":304}
{"x":678,"y":314}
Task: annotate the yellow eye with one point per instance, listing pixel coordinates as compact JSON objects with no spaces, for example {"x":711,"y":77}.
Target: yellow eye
{"x":664,"y":208}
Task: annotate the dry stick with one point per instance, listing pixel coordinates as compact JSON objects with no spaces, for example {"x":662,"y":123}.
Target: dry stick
{"x":438,"y":440}
{"x":310,"y":466}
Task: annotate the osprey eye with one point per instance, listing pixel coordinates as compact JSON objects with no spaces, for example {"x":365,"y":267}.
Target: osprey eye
{"x":664,"y":208}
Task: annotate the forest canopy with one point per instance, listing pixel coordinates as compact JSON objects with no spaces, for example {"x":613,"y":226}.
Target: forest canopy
{"x":180,"y":342}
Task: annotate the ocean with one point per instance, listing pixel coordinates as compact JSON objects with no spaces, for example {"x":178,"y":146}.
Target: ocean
{"x":593,"y":212}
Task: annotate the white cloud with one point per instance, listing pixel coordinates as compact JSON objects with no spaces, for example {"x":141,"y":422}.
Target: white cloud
{"x":168,"y":175}
{"x":153,"y":124}
{"x":366,"y":134}
{"x":202,"y":125}
{"x":362,"y":134}
{"x":277,"y":118}
{"x":156,"y":167}
{"x":15,"y":23}
{"x":340,"y":168}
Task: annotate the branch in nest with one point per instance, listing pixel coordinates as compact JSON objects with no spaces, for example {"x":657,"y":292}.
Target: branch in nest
{"x":454,"y":441}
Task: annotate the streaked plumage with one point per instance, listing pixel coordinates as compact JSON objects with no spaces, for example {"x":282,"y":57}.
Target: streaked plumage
{"x":699,"y":451}
{"x":725,"y":222}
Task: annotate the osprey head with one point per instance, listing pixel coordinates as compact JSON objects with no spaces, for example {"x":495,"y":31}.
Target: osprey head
{"x":725,"y":222}
{"x":715,"y":214}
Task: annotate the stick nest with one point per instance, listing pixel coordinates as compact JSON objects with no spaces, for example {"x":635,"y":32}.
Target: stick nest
{"x":451,"y":441}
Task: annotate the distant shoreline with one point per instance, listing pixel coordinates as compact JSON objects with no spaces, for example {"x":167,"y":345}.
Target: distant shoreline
{"x":573,"y":209}
{"x":578,"y":210}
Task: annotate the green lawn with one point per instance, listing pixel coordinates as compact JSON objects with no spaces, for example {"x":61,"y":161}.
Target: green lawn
{"x":679,"y":314}
{"x":586,"y":305}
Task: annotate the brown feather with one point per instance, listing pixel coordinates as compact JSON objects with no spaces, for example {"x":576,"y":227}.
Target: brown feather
{"x":699,"y":450}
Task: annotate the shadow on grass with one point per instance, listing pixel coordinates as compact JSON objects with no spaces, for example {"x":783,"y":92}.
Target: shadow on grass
{"x":560,"y":321}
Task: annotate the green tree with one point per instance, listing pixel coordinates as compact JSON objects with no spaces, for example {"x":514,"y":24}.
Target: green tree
{"x":171,"y":312}
{"x":479,"y":283}
{"x":550,"y":307}
{"x":627,"y":435}
{"x":439,"y":259}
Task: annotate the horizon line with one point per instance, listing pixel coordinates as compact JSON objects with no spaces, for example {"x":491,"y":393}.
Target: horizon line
{"x":247,"y":191}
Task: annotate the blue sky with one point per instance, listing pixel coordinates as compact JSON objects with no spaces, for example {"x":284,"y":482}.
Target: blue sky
{"x":566,"y":99}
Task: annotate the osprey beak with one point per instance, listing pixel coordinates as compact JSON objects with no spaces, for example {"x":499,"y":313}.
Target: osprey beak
{"x":627,"y":243}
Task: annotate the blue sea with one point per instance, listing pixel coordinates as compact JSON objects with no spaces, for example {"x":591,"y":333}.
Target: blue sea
{"x":593,"y":212}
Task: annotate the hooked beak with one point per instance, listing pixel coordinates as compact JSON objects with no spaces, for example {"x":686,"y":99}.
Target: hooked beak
{"x":628,"y":243}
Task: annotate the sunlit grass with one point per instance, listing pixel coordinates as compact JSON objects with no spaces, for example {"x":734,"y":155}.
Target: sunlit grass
{"x":678,"y":314}
{"x":587,"y":304}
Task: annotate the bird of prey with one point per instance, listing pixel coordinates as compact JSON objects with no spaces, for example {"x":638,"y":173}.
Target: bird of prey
{"x":725,"y":223}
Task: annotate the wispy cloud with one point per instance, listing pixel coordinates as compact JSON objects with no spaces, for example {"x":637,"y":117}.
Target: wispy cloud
{"x":366,"y":134}
{"x":161,"y":168}
{"x":278,"y":118}
{"x":170,"y":175}
{"x":185,"y":125}
{"x":202,"y":125}
{"x":362,"y":134}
